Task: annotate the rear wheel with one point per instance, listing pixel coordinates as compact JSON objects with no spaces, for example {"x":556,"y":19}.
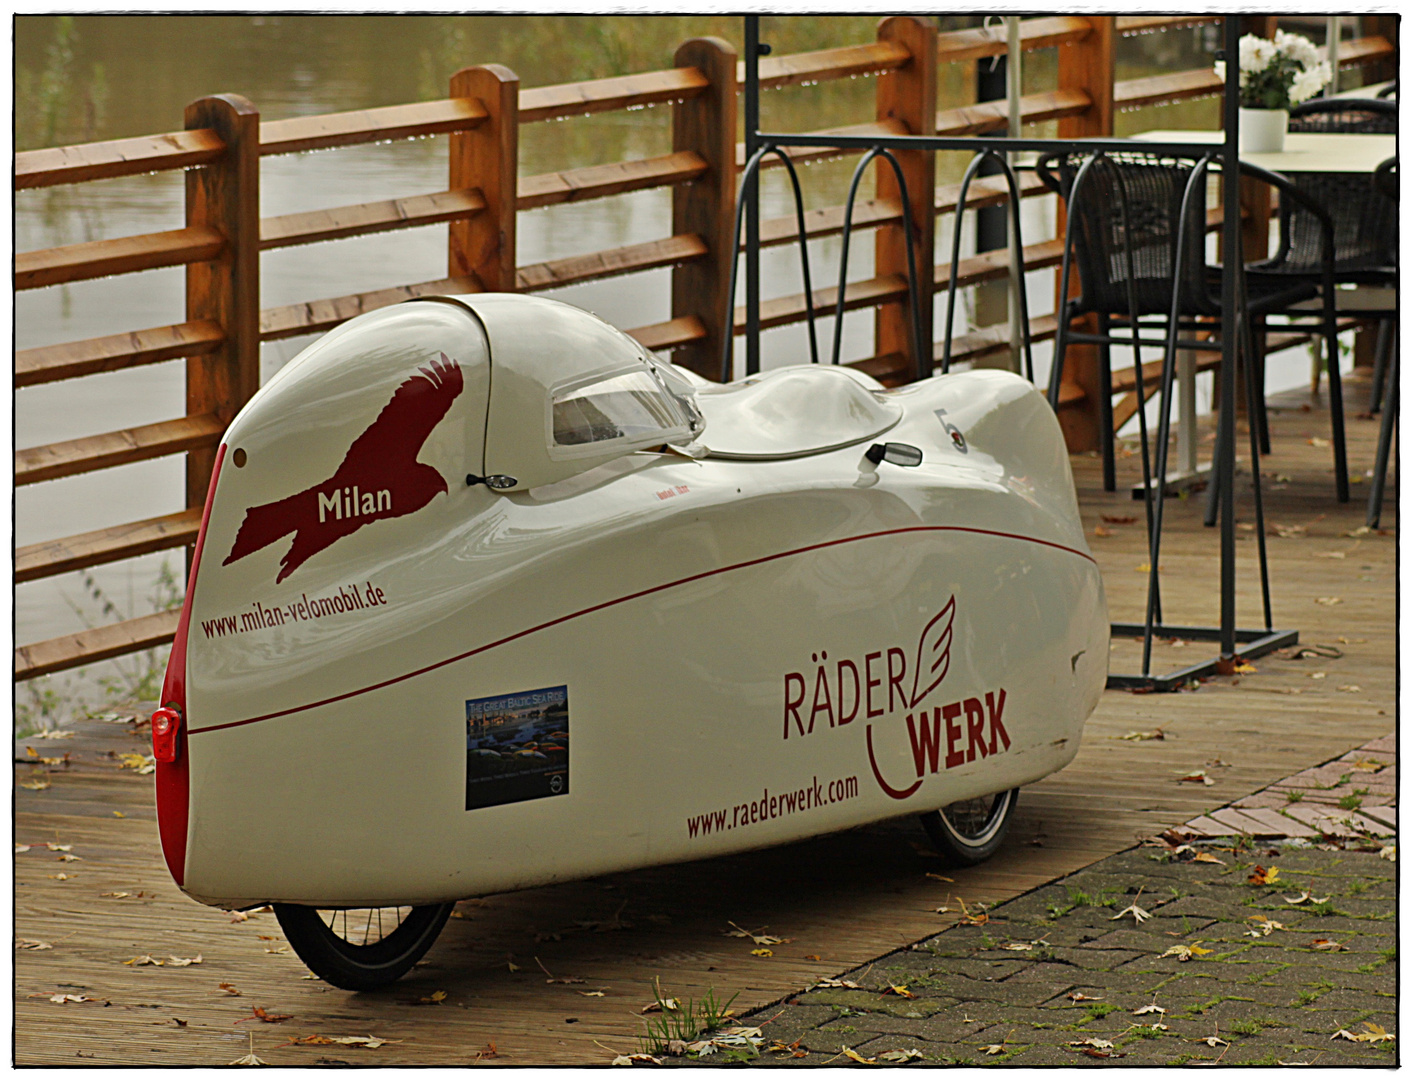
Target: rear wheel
{"x":361,"y":948}
{"x":971,"y":831}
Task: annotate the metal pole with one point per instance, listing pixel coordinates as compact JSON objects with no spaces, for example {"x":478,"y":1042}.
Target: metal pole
{"x":751,"y":195}
{"x":1230,"y":267}
{"x":1017,"y":264}
{"x":1332,"y":35}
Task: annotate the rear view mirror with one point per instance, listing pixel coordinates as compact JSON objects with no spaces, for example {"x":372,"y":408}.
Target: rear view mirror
{"x":897,"y":453}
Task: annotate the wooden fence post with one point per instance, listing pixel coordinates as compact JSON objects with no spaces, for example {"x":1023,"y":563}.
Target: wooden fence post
{"x":487,"y":158}
{"x":706,"y":126}
{"x":1086,"y":65}
{"x":908,"y":94}
{"x":224,"y":195}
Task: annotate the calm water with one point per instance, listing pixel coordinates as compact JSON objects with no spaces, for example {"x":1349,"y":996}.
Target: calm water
{"x":102,"y":77}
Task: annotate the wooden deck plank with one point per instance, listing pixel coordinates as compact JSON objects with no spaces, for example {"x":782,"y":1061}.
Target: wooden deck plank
{"x":846,"y":898}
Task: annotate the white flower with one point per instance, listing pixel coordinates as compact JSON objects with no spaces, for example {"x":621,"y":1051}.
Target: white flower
{"x":1298,"y":48}
{"x":1256,"y":53}
{"x":1308,"y":83}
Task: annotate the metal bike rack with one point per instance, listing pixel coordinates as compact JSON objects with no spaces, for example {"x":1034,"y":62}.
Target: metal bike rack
{"x":758,"y":144}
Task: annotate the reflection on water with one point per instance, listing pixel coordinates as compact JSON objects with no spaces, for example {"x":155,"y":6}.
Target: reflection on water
{"x":101,"y":77}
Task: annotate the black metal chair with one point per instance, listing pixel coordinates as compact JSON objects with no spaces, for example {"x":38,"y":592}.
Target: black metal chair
{"x":1365,"y":237}
{"x":1385,"y":180}
{"x":1137,"y":228}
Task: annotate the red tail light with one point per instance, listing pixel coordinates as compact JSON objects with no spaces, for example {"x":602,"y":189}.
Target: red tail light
{"x":166,"y":729}
{"x":168,"y":747}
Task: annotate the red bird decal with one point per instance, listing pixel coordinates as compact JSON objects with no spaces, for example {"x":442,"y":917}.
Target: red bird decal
{"x":380,"y":476}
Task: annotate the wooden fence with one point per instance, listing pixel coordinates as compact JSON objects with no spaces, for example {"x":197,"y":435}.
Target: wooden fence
{"x":224,"y":139}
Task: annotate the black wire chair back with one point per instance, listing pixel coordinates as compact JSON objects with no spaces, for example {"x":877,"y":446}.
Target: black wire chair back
{"x":1365,"y":222}
{"x":1350,"y":116}
{"x":1134,"y":201}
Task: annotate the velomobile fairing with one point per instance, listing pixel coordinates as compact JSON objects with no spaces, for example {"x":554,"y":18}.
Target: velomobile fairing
{"x":487,"y":596}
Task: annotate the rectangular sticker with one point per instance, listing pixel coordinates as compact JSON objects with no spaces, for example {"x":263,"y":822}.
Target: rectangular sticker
{"x":517,"y":747}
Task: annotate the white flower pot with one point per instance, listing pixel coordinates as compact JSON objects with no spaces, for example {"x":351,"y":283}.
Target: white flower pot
{"x":1263,"y":130}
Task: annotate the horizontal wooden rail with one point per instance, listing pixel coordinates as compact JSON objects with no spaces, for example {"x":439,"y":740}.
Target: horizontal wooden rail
{"x":384,"y":216}
{"x":1128,"y":25}
{"x":849,"y":61}
{"x":671,"y":334}
{"x":118,"y":157}
{"x":104,"y":451}
{"x":633,"y":258}
{"x":1202,"y":82}
{"x":317,"y":316}
{"x":126,"y":255}
{"x":1042,"y":33}
{"x":600,"y":181}
{"x":51,"y":363}
{"x":107,"y":545}
{"x":370,"y":125}
{"x":608,"y":95}
{"x":90,"y":646}
{"x":968,"y":120}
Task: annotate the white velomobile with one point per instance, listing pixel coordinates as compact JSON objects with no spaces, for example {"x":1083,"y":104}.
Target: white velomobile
{"x":487,"y":596}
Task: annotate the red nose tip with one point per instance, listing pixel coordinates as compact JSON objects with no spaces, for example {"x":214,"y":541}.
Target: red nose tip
{"x":166,"y":726}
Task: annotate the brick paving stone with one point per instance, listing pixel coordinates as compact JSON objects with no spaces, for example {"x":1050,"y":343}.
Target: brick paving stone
{"x":1272,"y":997}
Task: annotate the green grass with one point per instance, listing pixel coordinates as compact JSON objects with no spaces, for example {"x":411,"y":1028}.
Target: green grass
{"x":1243,"y":1027}
{"x":1100,"y":1009}
{"x":1293,"y":796}
{"x":1350,"y":802}
{"x":686,"y":1022}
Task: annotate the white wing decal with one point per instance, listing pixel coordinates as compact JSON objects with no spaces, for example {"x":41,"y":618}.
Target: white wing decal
{"x":933,"y":653}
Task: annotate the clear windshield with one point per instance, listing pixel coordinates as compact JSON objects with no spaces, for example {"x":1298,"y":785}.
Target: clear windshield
{"x":635,"y":407}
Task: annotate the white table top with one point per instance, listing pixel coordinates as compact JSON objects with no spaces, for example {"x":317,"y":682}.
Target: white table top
{"x":1313,"y":152}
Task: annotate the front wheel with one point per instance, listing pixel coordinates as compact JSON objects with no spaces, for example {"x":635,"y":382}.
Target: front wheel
{"x":970,"y":832}
{"x":361,"y":948}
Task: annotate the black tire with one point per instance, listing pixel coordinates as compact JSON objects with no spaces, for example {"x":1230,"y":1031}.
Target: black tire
{"x":969,"y":832}
{"x":351,"y":949}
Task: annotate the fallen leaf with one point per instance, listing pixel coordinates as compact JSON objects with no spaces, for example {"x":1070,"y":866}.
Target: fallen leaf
{"x":1304,"y":897}
{"x":1314,"y":440}
{"x":590,"y":993}
{"x":1266,"y":928}
{"x":34,"y":784}
{"x":941,"y":877}
{"x":994,"y":1048}
{"x":69,"y":858}
{"x":1328,"y":945}
{"x":1351,"y":689}
{"x":1375,"y":1033}
{"x":60,"y":877}
{"x":635,"y":1059}
{"x":898,"y":991}
{"x":1206,"y":856}
{"x":901,"y":1056}
{"x":59,"y":847}
{"x":1328,"y":601}
{"x":1094,"y":1042}
{"x":847,"y":984}
{"x":1368,"y":765}
{"x":119,"y":813}
{"x":1079,"y":995}
{"x":178,"y":1021}
{"x":229,"y":988}
{"x":1198,"y":777}
{"x":1153,"y":1008}
{"x":1245,"y":668}
{"x":1212,"y":1040}
{"x":1262,"y":876}
{"x":143,"y":961}
{"x":855,"y":1056}
{"x":812,"y":956}
{"x":51,"y":733}
{"x":1330,"y":554}
{"x":435,"y":998}
{"x":257,"y":1013}
{"x":1119,"y":519}
{"x":25,"y":943}
{"x":142,"y":764}
{"x":755,"y":936}
{"x":1185,"y":952}
{"x":64,"y":999}
{"x":1018,"y":946}
{"x":1136,"y":912}
{"x":762,"y":952}
{"x":20,"y":849}
{"x":661,"y":1005}
{"x":1388,"y":852}
{"x":1099,"y":530}
{"x":1144,"y":736}
{"x":177,"y":961}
